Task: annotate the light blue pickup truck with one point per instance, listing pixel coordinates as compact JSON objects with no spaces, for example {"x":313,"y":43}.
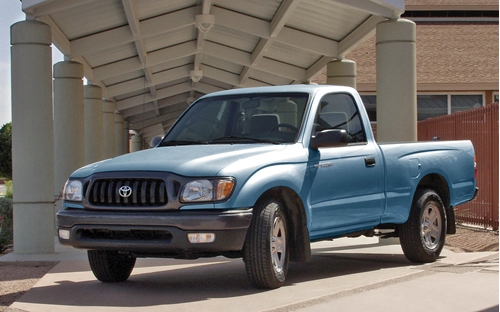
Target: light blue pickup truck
{"x":261,"y":173}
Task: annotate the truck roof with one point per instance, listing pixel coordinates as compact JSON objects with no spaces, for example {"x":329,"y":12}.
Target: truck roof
{"x":285,"y":88}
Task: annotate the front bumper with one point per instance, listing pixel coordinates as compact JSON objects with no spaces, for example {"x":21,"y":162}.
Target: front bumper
{"x":162,"y":234}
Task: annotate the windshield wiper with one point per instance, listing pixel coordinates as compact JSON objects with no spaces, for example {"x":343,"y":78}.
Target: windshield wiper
{"x":240,"y":138}
{"x":181,"y":142}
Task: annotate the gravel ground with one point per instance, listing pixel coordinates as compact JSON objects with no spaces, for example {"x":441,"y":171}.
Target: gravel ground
{"x":16,"y":278}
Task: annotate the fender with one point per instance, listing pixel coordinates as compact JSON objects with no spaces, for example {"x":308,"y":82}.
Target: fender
{"x":246,"y":194}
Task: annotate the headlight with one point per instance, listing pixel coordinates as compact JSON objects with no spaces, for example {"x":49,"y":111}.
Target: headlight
{"x":207,"y":190}
{"x":73,"y":190}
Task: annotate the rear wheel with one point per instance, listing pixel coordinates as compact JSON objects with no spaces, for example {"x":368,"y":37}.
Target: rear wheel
{"x":422,"y":236}
{"x":266,"y":251}
{"x":110,"y":266}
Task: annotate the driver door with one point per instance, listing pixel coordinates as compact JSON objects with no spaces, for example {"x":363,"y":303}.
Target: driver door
{"x":346,"y":181}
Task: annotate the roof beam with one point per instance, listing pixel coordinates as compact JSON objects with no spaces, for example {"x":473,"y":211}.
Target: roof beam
{"x":317,"y":68}
{"x":58,"y":37}
{"x":284,"y":12}
{"x":359,"y":35}
{"x":131,"y":14}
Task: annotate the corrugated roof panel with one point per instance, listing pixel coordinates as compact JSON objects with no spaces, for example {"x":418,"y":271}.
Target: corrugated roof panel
{"x":291,"y":55}
{"x":263,"y":9}
{"x":124,"y":77}
{"x":144,"y":92}
{"x":91,"y":18}
{"x":222,"y":64}
{"x":232,"y":38}
{"x":170,"y":38}
{"x":112,"y":55}
{"x":323,"y":19}
{"x":172,"y":83}
{"x":150,"y":8}
{"x":269,"y":78}
{"x":216,"y":83}
{"x":172,"y":64}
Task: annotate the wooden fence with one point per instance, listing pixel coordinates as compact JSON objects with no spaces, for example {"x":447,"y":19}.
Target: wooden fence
{"x":481,"y":127}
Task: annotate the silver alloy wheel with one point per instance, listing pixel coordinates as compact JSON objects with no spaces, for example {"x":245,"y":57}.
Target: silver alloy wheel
{"x":278,"y":244}
{"x":431,"y":226}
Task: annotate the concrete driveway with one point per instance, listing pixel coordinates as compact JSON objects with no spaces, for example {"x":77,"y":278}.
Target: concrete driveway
{"x":344,"y":275}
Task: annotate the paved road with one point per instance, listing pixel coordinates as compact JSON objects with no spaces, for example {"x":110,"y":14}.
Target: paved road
{"x":344,"y":275}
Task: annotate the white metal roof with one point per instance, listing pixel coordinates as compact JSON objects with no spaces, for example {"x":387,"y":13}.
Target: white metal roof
{"x":153,"y":57}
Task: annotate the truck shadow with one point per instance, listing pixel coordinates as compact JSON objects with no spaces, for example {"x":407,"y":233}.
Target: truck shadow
{"x":164,"y":282}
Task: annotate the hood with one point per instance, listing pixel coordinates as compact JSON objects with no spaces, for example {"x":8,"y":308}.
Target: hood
{"x":188,"y":160}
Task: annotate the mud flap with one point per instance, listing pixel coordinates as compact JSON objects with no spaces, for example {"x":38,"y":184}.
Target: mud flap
{"x":451,"y":227}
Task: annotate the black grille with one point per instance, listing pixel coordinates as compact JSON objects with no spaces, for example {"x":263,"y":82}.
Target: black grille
{"x":144,"y":192}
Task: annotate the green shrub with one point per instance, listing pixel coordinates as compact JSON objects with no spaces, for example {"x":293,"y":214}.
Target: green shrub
{"x":6,"y":151}
{"x":8,"y":192}
{"x":6,"y":224}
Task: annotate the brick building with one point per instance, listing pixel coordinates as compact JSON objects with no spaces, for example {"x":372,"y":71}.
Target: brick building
{"x":457,"y":57}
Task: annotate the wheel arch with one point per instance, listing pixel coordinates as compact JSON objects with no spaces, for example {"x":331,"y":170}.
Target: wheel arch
{"x":439,"y":184}
{"x":298,"y":234}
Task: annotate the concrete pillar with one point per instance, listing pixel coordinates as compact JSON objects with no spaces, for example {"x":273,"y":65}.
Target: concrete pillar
{"x":118,"y":134}
{"x":126,"y":142}
{"x":396,"y":81}
{"x":137,"y":143}
{"x":108,"y":129}
{"x":94,"y":150}
{"x":68,"y":123}
{"x":32,"y":137}
{"x":342,"y":73}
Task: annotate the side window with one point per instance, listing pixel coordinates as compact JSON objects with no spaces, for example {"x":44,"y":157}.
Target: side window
{"x":338,"y":111}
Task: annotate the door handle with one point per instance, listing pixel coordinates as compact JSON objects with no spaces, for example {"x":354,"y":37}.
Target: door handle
{"x":370,"y":161}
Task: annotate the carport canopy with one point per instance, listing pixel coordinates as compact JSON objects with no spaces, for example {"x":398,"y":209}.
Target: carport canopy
{"x":154,"y":57}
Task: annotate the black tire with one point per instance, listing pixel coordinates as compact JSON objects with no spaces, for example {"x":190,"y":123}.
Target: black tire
{"x":110,"y":266}
{"x":422,"y":236}
{"x":266,"y":253}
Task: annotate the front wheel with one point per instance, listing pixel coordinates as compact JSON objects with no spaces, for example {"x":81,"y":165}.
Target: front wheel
{"x":422,"y":236}
{"x":266,"y":251}
{"x":110,"y":266}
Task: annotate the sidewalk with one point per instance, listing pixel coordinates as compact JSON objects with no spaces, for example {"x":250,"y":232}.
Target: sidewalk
{"x":344,"y":275}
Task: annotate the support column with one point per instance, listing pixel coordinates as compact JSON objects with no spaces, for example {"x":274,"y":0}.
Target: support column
{"x":108,"y":129}
{"x":126,"y":142}
{"x":118,"y":134}
{"x":94,"y":150}
{"x":32,"y":137}
{"x":396,"y":81}
{"x":137,"y":143}
{"x":68,"y":123}
{"x":342,"y":73}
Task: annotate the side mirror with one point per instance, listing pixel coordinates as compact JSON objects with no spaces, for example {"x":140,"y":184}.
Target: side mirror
{"x":155,"y":141}
{"x":330,"y":138}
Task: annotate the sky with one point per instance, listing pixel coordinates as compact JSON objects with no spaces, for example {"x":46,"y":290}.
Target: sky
{"x":10,"y":13}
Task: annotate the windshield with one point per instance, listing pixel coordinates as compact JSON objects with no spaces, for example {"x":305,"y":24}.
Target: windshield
{"x":246,"y":118}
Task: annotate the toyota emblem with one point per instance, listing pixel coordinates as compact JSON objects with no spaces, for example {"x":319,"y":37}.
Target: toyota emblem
{"x":125,"y":191}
